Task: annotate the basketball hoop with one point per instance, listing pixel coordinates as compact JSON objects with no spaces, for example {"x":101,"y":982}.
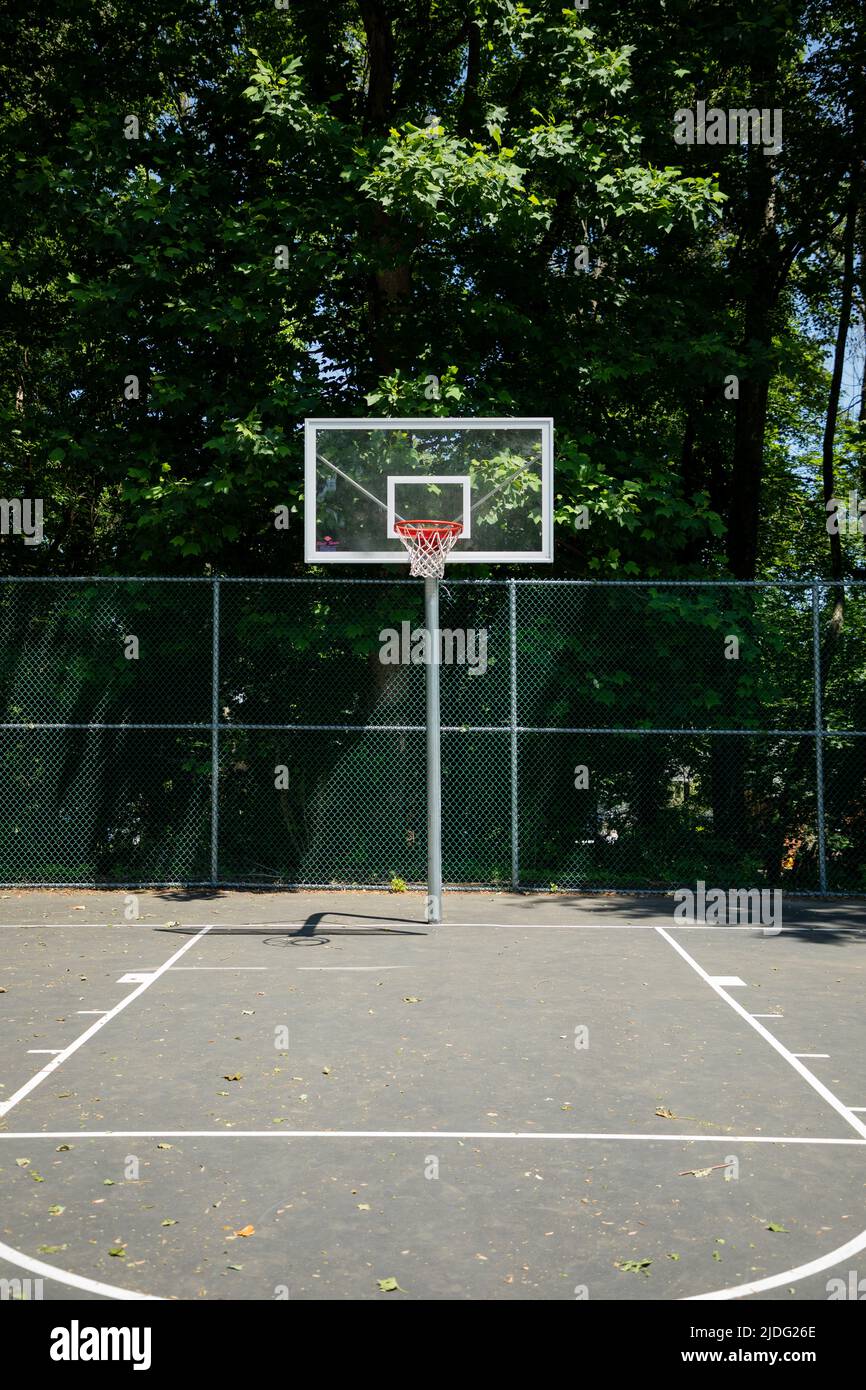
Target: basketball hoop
{"x":429,"y":544}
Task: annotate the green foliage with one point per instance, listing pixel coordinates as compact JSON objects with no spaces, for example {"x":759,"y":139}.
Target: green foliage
{"x":293,"y":233}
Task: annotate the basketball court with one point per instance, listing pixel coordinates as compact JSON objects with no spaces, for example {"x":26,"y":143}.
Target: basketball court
{"x":262,"y":1096}
{"x":360,"y":1095}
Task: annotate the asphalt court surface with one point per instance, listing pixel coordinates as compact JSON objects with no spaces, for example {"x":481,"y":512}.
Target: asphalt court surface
{"x":426,"y":1114}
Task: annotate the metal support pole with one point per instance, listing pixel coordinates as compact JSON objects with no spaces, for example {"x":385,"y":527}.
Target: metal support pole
{"x":434,"y":763}
{"x":215,"y":737}
{"x":515,"y":827}
{"x":819,"y":735}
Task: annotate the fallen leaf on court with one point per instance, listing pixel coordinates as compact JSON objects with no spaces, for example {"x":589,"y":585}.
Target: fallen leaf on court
{"x":326,"y":1071}
{"x":36,"y":1176}
{"x":165,"y":1146}
{"x":2,"y":989}
{"x":665,"y":1113}
{"x":169,"y":1221}
{"x":716,"y":1255}
{"x":696,"y":1172}
{"x":79,"y":909}
{"x":108,"y":1182}
{"x":56,"y":1210}
{"x":222,"y":1093}
{"x":246,"y":1231}
{"x":118,"y":1252}
{"x":673,"y":1257}
{"x":233,"y":1076}
{"x":389,"y":1286}
{"x":51,"y":1249}
{"x":248,"y":1012}
{"x":237,"y":1267}
{"x":63,"y":1148}
{"x":363,"y":1206}
{"x":23,"y":1162}
{"x":773,"y":1227}
{"x":411,"y":999}
{"x":172,"y":924}
{"x":634,"y":1266}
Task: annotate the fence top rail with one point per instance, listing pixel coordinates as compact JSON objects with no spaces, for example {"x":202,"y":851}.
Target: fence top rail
{"x":341,"y":579}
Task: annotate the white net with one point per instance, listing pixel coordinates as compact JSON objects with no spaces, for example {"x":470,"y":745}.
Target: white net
{"x":429,"y":544}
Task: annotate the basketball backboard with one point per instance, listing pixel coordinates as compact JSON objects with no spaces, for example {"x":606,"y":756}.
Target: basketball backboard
{"x":494,"y":477}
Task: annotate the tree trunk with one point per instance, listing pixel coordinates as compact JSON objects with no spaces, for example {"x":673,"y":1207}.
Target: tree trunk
{"x":389,"y":282}
{"x":760,"y":292}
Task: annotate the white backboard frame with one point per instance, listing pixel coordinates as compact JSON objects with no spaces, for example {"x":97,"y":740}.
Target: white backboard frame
{"x":537,"y":424}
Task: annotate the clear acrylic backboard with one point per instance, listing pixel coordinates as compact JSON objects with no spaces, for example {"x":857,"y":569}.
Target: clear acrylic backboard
{"x":492,"y":476}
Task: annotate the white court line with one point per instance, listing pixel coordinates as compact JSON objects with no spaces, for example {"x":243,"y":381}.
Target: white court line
{"x":768,"y":1015}
{"x":44,"y":1051}
{"x":220,"y":967}
{"x":629,"y":926}
{"x":756,"y":929}
{"x":810,"y":1054}
{"x":394,"y":927}
{"x":833,"y":1257}
{"x":823,"y":1091}
{"x":91,"y":1011}
{"x":6,"y":1105}
{"x":375,"y":968}
{"x":75,"y":1281}
{"x":389,"y":1134}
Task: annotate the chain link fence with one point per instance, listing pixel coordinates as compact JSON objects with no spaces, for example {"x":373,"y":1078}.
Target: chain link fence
{"x":596,"y":735}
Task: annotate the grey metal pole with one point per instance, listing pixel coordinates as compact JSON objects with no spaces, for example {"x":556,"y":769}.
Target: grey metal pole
{"x":215,"y":737}
{"x":434,"y":763}
{"x":819,"y":736}
{"x":515,"y":825}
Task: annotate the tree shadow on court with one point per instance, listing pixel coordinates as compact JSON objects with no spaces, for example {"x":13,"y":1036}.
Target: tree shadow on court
{"x":808,"y":925}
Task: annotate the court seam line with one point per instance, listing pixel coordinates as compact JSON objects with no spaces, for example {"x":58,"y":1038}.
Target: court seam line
{"x":50,"y":1067}
{"x":823,"y":1091}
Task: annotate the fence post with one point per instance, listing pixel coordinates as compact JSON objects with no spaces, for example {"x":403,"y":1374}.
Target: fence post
{"x":215,"y":737}
{"x":819,"y":734}
{"x":515,"y":828}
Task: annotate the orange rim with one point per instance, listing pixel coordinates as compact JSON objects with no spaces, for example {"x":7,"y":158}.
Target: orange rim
{"x":429,"y":528}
